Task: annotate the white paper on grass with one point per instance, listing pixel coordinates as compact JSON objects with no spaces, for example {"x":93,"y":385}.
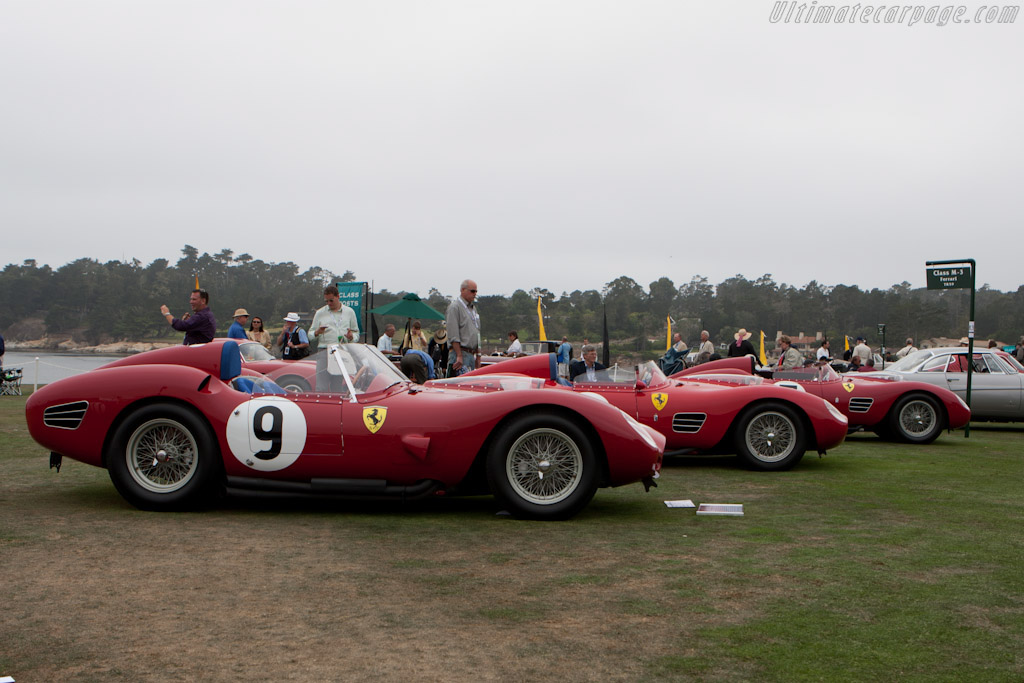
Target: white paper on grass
{"x":679,"y":504}
{"x":720,"y":509}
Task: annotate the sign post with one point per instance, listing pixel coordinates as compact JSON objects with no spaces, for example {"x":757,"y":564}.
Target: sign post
{"x":960,"y":274}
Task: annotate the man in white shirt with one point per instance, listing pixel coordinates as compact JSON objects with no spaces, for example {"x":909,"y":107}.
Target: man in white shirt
{"x":908,"y":349}
{"x":334,"y":323}
{"x":384,"y":343}
{"x":824,"y":353}
{"x":862,"y":351}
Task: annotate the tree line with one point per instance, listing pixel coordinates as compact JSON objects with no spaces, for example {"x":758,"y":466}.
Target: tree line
{"x":98,"y":302}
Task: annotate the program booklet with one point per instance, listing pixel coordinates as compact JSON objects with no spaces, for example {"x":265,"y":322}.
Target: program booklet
{"x":720,"y":509}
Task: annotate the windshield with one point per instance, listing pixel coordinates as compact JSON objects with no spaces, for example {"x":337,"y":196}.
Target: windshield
{"x":648,"y":373}
{"x":910,"y":361}
{"x":254,"y":351}
{"x":819,"y":372}
{"x":360,"y":366}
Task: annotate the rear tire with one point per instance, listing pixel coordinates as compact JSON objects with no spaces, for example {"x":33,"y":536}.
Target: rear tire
{"x":165,"y":457}
{"x":916,"y":418}
{"x":542,"y":467}
{"x":293,"y":384}
{"x":770,"y":437}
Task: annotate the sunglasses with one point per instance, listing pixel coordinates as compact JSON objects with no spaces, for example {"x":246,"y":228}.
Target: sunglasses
{"x":473,"y":290}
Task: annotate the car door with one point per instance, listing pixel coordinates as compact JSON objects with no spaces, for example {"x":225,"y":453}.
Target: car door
{"x":994,"y":391}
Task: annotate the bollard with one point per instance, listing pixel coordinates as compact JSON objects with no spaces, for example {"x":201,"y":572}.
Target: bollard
{"x":35,"y":379}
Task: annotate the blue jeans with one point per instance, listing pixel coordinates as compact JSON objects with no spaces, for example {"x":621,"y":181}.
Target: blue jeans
{"x":468,"y":363}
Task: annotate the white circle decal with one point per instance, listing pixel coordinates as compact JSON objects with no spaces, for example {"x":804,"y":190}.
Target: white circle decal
{"x":267,"y":433}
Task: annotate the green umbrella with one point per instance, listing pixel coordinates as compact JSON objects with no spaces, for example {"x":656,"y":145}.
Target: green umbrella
{"x":409,"y":306}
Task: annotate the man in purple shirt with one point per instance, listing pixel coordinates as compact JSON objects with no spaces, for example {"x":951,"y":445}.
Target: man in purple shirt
{"x":199,"y":325}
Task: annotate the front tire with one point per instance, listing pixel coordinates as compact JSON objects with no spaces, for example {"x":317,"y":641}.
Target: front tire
{"x":770,"y":437}
{"x":916,"y":418}
{"x":164,"y":457}
{"x":542,"y":467}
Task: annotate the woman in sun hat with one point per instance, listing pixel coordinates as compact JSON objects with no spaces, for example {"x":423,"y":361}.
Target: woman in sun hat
{"x":742,"y":345}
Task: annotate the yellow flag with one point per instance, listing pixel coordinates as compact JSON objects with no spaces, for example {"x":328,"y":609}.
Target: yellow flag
{"x":847,"y":342}
{"x":197,"y":282}
{"x":540,"y":321}
{"x":763,"y":358}
{"x":668,"y":339}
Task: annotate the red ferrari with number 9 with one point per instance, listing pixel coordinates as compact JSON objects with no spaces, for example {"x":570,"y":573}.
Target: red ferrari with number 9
{"x":177,"y":426}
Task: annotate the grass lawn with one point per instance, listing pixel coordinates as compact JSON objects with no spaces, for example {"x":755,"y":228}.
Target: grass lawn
{"x":876,"y":562}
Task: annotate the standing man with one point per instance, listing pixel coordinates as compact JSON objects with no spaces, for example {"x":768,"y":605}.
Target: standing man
{"x":463,"y":323}
{"x":199,"y":326}
{"x":908,"y":349}
{"x":563,"y":357}
{"x":293,"y":340}
{"x":862,"y":351}
{"x":384,"y":343}
{"x":237,"y":329}
{"x":335,"y":323}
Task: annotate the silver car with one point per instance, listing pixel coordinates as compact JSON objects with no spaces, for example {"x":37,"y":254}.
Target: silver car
{"x":997,"y":380}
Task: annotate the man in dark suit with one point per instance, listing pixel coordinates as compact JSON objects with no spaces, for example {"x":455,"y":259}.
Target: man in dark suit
{"x":587,"y":368}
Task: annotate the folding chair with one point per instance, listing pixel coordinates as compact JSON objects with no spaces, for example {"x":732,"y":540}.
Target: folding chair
{"x":10,"y":382}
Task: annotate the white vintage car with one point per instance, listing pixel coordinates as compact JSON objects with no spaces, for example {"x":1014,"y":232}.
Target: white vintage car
{"x":997,"y":380}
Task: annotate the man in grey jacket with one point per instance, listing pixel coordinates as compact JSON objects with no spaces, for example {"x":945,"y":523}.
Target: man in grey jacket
{"x":463,"y":323}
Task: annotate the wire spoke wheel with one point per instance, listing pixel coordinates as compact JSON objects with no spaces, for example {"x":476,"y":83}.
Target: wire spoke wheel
{"x":771,"y":436}
{"x":162,"y":455}
{"x":544,"y":466}
{"x":918,"y":418}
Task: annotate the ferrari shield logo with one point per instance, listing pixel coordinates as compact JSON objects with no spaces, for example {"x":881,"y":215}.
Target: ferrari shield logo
{"x":373,"y":418}
{"x":659,"y":399}
{"x":848,"y":386}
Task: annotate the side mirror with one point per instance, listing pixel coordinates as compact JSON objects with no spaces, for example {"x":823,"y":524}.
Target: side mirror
{"x":641,"y":385}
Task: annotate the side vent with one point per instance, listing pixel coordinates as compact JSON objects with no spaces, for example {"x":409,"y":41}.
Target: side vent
{"x":66,"y":415}
{"x":860,"y":404}
{"x":688,"y":423}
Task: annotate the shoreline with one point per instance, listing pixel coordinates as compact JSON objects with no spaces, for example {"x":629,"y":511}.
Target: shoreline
{"x":70,"y":346}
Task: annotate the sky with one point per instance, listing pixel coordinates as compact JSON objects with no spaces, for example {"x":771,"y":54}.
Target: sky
{"x":557,"y":144}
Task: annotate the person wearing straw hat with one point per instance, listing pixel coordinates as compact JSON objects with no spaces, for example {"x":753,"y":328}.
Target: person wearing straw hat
{"x":438,"y":348}
{"x":237,"y":329}
{"x":742,"y":346}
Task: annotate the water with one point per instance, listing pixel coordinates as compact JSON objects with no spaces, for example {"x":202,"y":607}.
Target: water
{"x":52,"y":366}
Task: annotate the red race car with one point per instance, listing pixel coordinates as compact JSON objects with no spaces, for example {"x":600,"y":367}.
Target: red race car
{"x":175,"y":426}
{"x":908,"y":411}
{"x":768,"y":425}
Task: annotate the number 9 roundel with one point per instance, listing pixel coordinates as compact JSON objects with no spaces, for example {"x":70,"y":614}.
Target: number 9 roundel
{"x":266,"y":433}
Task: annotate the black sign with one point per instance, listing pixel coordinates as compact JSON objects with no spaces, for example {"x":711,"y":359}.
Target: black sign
{"x":949,"y":277}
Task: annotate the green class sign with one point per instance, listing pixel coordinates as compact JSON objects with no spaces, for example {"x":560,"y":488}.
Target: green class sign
{"x":949,"y":277}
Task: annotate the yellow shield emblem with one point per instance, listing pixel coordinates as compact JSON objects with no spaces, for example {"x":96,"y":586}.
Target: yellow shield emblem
{"x":848,"y":386}
{"x":659,"y":399}
{"x":373,"y":418}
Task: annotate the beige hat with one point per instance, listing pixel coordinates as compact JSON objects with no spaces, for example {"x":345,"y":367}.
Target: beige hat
{"x":239,"y":312}
{"x":292,"y":317}
{"x":742,"y":334}
{"x":441,"y":335}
